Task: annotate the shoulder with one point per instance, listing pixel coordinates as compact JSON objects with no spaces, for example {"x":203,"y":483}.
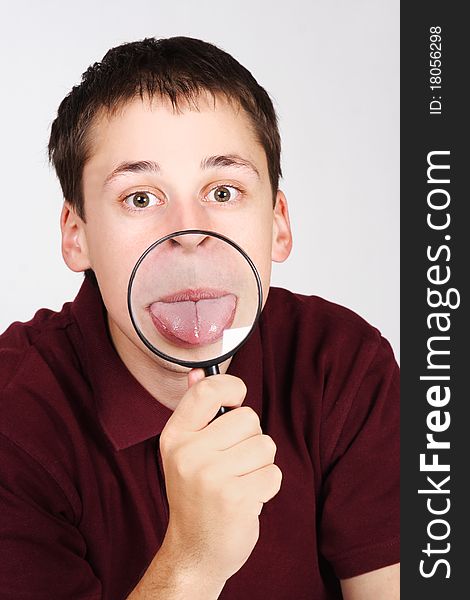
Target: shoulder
{"x":318,"y":324}
{"x":40,"y":386}
{"x":325,"y":355}
{"x":23,"y":345}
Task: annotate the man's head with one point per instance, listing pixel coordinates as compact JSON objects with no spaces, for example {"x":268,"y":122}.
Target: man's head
{"x":166,"y":135}
{"x":177,"y":69}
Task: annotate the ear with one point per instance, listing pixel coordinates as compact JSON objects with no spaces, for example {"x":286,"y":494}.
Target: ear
{"x":74,"y":243}
{"x":282,"y":234}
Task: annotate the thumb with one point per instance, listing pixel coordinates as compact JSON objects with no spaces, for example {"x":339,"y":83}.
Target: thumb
{"x":194,"y":376}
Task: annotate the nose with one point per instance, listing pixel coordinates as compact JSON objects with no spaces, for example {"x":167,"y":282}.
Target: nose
{"x":186,"y":212}
{"x":190,"y":241}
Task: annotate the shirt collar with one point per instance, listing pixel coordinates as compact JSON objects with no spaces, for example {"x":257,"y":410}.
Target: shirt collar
{"x":128,"y":413}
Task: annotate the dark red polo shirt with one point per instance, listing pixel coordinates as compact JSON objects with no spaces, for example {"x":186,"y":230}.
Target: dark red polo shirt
{"x":82,"y":495}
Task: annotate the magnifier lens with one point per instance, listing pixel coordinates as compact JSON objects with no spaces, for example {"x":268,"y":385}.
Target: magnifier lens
{"x":194,"y":297}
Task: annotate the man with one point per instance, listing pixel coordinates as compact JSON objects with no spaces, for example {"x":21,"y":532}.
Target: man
{"x":116,"y":480}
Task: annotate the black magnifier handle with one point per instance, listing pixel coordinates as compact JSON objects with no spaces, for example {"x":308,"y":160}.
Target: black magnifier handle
{"x":214,"y":370}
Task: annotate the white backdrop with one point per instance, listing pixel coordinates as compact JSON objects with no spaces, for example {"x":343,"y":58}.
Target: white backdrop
{"x":332,"y":69}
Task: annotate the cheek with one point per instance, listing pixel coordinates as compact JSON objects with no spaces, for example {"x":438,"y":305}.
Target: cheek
{"x":114,"y":246}
{"x":112,"y":258}
{"x":265,"y":266}
{"x":113,"y":279}
{"x":258,"y":244}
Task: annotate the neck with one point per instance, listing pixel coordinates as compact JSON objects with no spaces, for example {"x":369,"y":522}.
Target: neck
{"x":166,"y":382}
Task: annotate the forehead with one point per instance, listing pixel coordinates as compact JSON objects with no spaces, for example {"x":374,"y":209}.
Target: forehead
{"x":142,"y":129}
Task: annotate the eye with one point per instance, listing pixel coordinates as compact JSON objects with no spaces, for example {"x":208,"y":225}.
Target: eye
{"x":140,"y":200}
{"x":224,"y":193}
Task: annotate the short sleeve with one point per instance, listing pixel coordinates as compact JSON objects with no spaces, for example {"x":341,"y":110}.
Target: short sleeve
{"x":42,"y":553}
{"x":360,"y":501}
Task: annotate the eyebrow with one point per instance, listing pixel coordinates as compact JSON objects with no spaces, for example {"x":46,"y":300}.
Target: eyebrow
{"x":139,"y":166}
{"x":228,"y":160}
{"x":210,"y":162}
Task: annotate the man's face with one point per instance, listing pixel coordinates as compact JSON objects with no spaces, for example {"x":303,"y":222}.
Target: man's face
{"x":154,"y":171}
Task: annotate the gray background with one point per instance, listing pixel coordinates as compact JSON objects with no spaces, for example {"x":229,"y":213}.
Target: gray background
{"x":332,"y":69}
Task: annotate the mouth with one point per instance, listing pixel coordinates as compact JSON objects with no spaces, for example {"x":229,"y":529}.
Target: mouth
{"x":194,"y":317}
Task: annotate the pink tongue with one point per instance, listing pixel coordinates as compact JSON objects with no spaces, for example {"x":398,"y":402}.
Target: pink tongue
{"x":195,"y":323}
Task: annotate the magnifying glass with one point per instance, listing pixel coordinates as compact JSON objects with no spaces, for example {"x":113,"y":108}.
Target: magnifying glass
{"x":194,"y":298}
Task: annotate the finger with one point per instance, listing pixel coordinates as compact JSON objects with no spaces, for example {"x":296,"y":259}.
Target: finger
{"x":262,"y":484}
{"x":202,"y":401}
{"x":250,"y":455}
{"x":232,"y":427}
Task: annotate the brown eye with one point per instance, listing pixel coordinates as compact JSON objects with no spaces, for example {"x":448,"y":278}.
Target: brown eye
{"x":140,"y":200}
{"x":223,"y":193}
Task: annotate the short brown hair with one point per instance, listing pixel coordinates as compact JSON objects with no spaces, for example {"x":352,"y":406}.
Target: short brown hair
{"x":175,"y":68}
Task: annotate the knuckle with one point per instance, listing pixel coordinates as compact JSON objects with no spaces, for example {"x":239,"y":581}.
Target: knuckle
{"x":269,"y":444}
{"x":250,"y":417}
{"x":167,"y":440}
{"x":272,"y":483}
{"x":277,"y":477}
{"x":241,"y":387}
{"x":202,"y":389}
{"x":183,"y":462}
{"x":233,"y":386}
